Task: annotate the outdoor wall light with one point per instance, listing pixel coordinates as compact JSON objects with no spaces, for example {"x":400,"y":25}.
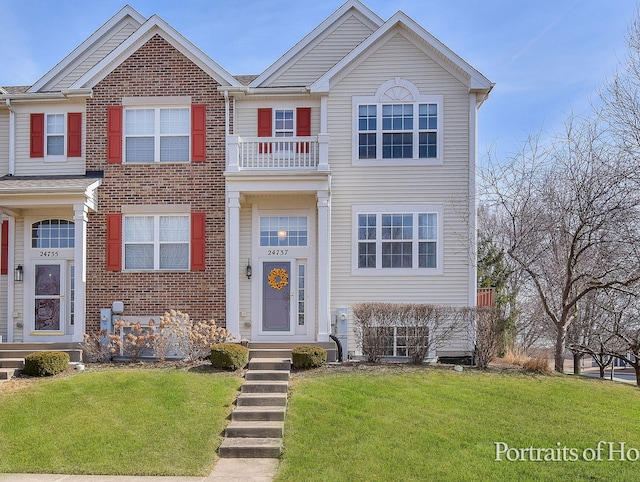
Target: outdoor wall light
{"x":18,"y":273}
{"x":249,"y":269}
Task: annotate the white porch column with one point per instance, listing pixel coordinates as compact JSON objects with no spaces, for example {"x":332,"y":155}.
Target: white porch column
{"x":324,"y":265}
{"x":233,"y":263}
{"x":80,"y":219}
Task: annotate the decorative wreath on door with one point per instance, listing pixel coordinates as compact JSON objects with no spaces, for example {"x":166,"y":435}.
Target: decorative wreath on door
{"x":278,"y":278}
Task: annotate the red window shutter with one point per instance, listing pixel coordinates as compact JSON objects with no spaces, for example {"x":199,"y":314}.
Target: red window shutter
{"x":114,"y":242}
{"x":303,"y":127}
{"x":114,"y":134}
{"x":4,"y":248}
{"x":37,"y":136}
{"x":198,"y":241}
{"x":74,"y":134}
{"x":265,"y":119}
{"x":198,"y":132}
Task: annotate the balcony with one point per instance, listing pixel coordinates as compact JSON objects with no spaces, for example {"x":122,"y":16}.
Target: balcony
{"x":278,"y":153}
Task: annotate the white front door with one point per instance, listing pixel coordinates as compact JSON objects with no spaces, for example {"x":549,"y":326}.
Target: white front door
{"x":51,"y":286}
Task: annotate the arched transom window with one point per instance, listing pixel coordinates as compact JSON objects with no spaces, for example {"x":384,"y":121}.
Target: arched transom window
{"x":53,"y":233}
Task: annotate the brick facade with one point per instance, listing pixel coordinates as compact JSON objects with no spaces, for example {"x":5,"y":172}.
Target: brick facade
{"x":158,"y":69}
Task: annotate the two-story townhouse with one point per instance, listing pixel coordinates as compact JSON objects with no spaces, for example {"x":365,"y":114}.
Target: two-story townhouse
{"x":347,"y":175}
{"x":113,"y":187}
{"x":351,"y":178}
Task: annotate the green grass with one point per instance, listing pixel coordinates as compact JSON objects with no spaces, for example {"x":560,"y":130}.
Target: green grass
{"x":121,"y":421}
{"x":441,"y":425}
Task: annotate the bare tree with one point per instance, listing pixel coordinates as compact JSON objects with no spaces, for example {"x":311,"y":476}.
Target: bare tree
{"x":568,"y":213}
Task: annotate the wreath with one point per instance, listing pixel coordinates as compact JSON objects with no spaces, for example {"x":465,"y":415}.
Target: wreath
{"x":278,"y":278}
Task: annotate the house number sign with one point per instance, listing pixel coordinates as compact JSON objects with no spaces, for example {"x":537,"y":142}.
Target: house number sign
{"x":48,"y":254}
{"x":277,"y":252}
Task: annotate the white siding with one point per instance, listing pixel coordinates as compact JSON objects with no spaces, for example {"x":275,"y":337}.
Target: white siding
{"x":325,"y":54}
{"x":446,"y":184}
{"x":245,"y":284}
{"x":26,"y":166}
{"x":92,"y":57}
{"x":247,"y":114}
{"x":18,"y":293}
{"x":4,"y":142}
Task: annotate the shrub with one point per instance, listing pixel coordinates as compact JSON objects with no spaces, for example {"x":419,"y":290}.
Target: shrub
{"x":229,"y":356}
{"x":308,"y":356}
{"x":46,"y":363}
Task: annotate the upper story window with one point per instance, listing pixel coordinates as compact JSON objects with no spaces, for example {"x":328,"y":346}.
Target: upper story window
{"x":397,"y":126}
{"x":55,"y":136}
{"x":157,"y":135}
{"x":284,"y":126}
{"x":156,"y":129}
{"x":55,"y":132}
{"x":407,"y":239}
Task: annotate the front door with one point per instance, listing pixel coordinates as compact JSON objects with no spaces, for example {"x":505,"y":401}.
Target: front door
{"x":276,"y":296}
{"x":49,"y":298}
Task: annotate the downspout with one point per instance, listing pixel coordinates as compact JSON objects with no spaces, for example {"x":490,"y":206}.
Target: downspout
{"x":227,"y":128}
{"x":12,"y":138}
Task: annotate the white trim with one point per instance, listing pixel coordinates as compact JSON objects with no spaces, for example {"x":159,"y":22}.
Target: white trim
{"x":413,"y":97}
{"x":94,"y":39}
{"x":155,"y":25}
{"x":473,"y":236}
{"x":365,"y":15}
{"x":414,"y":209}
{"x":476,"y":81}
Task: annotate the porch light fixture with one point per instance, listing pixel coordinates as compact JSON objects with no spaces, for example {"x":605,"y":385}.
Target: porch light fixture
{"x":18,"y":273}
{"x":249,"y":269}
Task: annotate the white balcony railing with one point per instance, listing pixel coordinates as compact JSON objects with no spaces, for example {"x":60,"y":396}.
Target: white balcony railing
{"x":296,"y":153}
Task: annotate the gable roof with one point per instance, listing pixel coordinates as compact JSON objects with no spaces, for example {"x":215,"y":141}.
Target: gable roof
{"x":445,"y":56}
{"x":349,"y":10}
{"x":80,"y":58}
{"x":155,"y":25}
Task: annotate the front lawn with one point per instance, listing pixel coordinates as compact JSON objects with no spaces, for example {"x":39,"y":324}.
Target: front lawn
{"x":118,"y":421}
{"x":441,"y":425}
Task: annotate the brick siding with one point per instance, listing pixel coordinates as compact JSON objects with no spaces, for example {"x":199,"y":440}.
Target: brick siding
{"x":157,"y":69}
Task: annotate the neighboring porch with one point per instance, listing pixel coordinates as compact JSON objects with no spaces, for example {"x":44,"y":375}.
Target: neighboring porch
{"x":45,"y":227}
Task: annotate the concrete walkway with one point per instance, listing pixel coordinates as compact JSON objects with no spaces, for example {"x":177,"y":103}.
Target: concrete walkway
{"x":227,"y":470}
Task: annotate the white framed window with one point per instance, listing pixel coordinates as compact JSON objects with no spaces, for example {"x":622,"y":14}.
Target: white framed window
{"x":161,"y":134}
{"x":156,"y":242}
{"x":397,"y":239}
{"x":55,"y":132}
{"x":398,"y":126}
{"x":283,"y":231}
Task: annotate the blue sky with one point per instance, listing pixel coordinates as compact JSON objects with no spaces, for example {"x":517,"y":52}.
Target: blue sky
{"x":547,"y":57}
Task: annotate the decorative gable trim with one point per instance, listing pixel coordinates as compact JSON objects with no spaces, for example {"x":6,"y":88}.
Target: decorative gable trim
{"x":91,"y":44}
{"x":400,"y":22}
{"x":155,"y":25}
{"x":364,"y":14}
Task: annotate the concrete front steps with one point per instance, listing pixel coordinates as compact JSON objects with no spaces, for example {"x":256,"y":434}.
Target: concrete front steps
{"x":12,"y":355}
{"x":283,"y":349}
{"x":257,"y":423}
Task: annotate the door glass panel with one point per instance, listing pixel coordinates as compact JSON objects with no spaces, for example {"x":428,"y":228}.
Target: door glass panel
{"x":47,"y":297}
